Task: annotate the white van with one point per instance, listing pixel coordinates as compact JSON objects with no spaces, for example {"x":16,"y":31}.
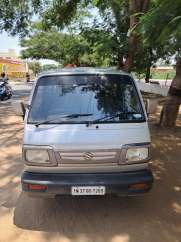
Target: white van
{"x":86,"y":133}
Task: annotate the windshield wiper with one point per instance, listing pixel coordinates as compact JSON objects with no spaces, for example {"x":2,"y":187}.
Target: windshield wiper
{"x":106,"y":118}
{"x":70,"y":116}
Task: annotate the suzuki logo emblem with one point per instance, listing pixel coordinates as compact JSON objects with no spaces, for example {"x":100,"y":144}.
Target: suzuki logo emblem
{"x":88,"y":156}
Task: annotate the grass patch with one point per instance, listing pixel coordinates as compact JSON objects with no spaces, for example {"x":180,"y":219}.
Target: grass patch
{"x":156,"y":74}
{"x":166,"y":74}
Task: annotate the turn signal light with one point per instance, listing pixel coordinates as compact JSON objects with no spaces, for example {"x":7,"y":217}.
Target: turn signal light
{"x":138,"y":186}
{"x":37,"y":187}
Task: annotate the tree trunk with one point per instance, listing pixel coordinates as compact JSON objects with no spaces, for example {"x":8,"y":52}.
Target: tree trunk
{"x":171,"y":107}
{"x":147,"y":77}
{"x":135,"y":6}
{"x":148,"y":67}
{"x":120,"y":63}
{"x":129,"y":62}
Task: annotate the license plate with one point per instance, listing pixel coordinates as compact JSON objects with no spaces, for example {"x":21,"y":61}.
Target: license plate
{"x":88,"y":190}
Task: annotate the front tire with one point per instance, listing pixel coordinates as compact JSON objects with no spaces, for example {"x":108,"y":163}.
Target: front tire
{"x":9,"y":96}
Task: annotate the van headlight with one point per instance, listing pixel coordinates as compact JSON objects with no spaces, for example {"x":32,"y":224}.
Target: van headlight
{"x":135,"y":154}
{"x":39,"y":156}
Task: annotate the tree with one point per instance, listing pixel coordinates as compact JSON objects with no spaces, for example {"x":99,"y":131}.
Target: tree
{"x":122,"y":16}
{"x":64,"y":48}
{"x":47,"y":45}
{"x":112,"y":26}
{"x":118,"y":16}
{"x":35,"y":66}
{"x":171,"y":108}
{"x":166,"y":16}
{"x":92,"y":47}
{"x":47,"y":67}
{"x":16,"y":15}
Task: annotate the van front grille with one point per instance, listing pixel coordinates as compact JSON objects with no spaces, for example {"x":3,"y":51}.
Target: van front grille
{"x":88,"y":157}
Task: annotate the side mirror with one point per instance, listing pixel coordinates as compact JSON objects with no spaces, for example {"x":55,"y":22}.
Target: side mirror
{"x":20,"y":108}
{"x":151,"y":106}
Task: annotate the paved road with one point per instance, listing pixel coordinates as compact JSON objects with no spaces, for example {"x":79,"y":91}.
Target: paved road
{"x":160,"y":81}
{"x":153,"y":217}
{"x":21,"y":90}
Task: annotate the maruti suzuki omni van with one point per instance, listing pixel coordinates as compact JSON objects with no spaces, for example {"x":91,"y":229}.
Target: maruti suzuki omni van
{"x":86,"y":133}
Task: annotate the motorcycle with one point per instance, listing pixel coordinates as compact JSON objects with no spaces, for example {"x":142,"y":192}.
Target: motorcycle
{"x":5,"y":91}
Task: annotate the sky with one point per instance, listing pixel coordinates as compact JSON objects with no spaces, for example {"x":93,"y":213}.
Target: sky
{"x":8,"y":42}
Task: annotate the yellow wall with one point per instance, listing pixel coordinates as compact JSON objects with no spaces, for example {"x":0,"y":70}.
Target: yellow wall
{"x":14,"y":69}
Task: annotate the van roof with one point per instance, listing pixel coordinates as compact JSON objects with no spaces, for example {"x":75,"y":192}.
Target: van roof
{"x":82,"y":70}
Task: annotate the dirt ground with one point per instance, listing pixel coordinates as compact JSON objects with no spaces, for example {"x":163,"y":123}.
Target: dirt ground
{"x":156,"y":216}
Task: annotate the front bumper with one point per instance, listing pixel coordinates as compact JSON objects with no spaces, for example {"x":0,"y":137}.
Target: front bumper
{"x":122,"y":183}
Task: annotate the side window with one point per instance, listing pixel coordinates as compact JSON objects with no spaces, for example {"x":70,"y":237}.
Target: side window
{"x":131,"y":100}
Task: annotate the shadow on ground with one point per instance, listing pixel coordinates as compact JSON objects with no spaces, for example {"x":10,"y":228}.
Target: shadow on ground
{"x":156,"y":216}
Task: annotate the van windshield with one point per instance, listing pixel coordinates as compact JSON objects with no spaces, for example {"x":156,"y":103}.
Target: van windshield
{"x":85,"y":98}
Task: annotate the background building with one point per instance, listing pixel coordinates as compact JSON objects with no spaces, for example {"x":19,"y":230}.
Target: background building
{"x":12,"y":65}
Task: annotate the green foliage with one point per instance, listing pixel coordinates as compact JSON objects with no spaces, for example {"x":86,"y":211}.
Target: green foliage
{"x":63,"y":48}
{"x":60,"y":13}
{"x":44,"y":45}
{"x":93,"y":47}
{"x":48,"y":67}
{"x":35,"y":66}
{"x":163,"y":75}
{"x":15,"y":15}
{"x":100,"y":39}
{"x":161,"y":26}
